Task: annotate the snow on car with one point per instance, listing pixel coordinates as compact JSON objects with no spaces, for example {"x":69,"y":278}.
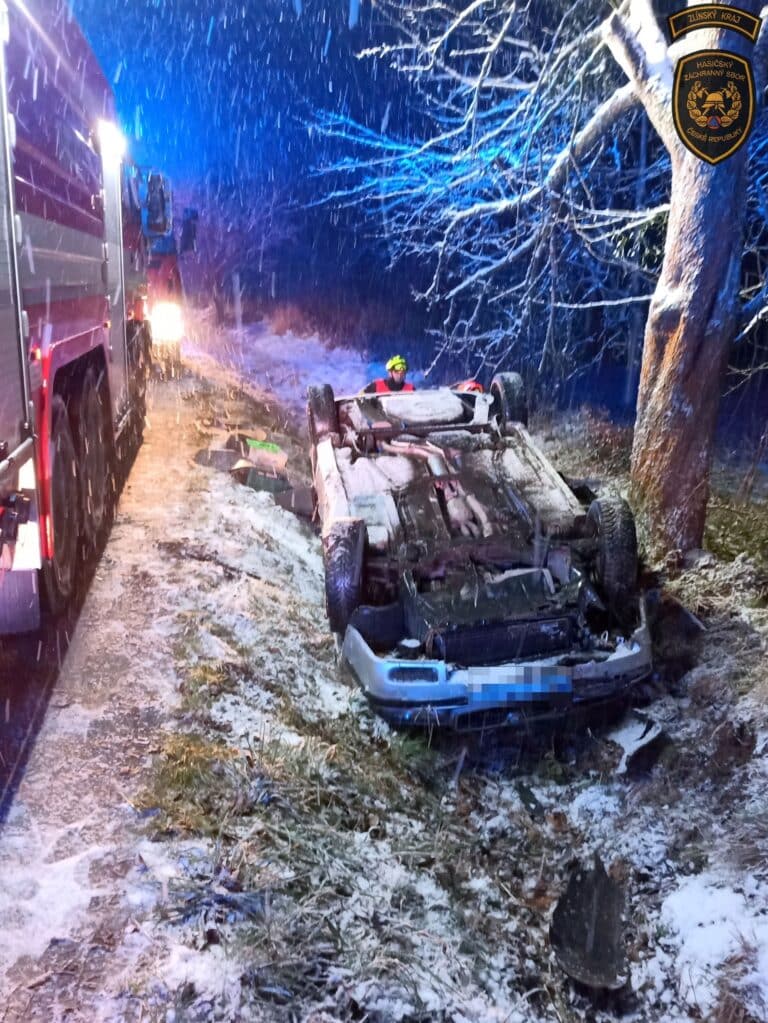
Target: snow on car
{"x":470,"y":582}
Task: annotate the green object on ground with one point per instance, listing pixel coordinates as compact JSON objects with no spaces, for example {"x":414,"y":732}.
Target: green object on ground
{"x":262,"y":445}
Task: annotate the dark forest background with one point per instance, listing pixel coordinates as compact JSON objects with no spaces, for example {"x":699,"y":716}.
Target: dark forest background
{"x":296,"y":127}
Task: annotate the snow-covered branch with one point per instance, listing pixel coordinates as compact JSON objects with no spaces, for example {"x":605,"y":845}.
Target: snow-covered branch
{"x":516,"y":193}
{"x":636,"y":41}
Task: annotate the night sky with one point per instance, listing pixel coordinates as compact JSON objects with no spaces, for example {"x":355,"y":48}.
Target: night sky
{"x":211,"y":88}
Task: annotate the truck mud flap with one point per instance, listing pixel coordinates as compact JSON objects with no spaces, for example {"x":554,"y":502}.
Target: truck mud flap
{"x":19,"y":602}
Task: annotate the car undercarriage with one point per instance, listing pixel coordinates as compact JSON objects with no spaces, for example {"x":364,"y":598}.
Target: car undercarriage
{"x":464,"y":574}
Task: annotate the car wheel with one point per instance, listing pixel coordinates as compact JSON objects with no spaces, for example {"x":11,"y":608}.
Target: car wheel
{"x":321,"y":412}
{"x":60,"y":572}
{"x":613,"y":526}
{"x":343,"y":550}
{"x":509,"y":400}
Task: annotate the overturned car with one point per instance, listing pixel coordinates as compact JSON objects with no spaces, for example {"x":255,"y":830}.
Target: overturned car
{"x":472,"y":584}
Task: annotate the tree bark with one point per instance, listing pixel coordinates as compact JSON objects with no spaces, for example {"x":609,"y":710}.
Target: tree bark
{"x":694,"y":312}
{"x":691,"y":323}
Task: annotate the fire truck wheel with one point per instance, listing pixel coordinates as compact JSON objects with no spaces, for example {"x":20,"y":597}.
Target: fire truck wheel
{"x":129,"y":440}
{"x":60,"y":572}
{"x":143,"y":369}
{"x":94,"y":448}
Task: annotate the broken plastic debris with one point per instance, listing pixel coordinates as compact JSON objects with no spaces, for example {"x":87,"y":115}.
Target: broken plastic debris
{"x":259,"y":481}
{"x":298,"y":500}
{"x":261,"y":453}
{"x":240,"y":441}
{"x":642,"y":739}
{"x":267,"y":456}
{"x":240,"y":469}
{"x":255,"y":450}
{"x":586,"y":929}
{"x":217,"y":458}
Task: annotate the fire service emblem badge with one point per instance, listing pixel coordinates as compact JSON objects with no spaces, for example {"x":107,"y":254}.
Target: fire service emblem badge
{"x":713,"y":102}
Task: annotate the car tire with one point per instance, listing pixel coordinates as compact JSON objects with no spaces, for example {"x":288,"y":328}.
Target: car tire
{"x":616,"y":565}
{"x":321,"y":413}
{"x":60,"y":573}
{"x":510,"y":403}
{"x":343,"y":549}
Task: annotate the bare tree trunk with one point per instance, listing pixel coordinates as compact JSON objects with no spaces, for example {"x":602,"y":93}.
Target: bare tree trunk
{"x":694,"y":311}
{"x":691,"y":323}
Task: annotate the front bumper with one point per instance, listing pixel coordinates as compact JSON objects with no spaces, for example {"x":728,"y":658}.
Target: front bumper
{"x":425,"y":692}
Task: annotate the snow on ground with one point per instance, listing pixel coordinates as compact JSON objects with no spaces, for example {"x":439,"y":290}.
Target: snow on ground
{"x":603,"y":814}
{"x":43,"y":891}
{"x":711,"y":922}
{"x":282,"y":366}
{"x":289,"y":856}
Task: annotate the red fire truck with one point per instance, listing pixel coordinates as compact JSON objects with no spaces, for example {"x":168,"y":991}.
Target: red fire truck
{"x":74,"y":338}
{"x":165,"y":292}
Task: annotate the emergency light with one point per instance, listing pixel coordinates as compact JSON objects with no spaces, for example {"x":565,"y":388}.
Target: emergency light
{"x":111,"y":142}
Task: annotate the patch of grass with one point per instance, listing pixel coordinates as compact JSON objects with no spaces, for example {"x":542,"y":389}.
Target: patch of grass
{"x":186,"y":645}
{"x":738,"y":1000}
{"x":340,"y":785}
{"x":587,"y":444}
{"x":374,"y":769}
{"x":722,"y":587}
{"x":230,"y":637}
{"x":200,"y":785}
{"x":734,"y":528}
{"x":748,"y":839}
{"x":609,"y":443}
{"x":205,"y":682}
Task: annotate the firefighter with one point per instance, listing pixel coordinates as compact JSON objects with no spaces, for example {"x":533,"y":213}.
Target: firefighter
{"x":394,"y":381}
{"x":156,"y":204}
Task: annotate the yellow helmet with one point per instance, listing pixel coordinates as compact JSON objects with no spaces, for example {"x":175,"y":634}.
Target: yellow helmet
{"x":397,"y":362}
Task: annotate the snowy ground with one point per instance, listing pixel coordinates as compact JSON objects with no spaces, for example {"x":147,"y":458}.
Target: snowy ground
{"x":214,"y":826}
{"x":283,"y":366}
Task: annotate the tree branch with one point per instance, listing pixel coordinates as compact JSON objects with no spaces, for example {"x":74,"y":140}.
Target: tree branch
{"x":633,"y":36}
{"x":596,"y":128}
{"x":760,"y":55}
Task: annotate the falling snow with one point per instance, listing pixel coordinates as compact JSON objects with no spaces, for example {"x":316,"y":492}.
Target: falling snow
{"x":363,"y":189}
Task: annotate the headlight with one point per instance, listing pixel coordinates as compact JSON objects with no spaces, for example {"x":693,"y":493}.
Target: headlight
{"x":112,"y":142}
{"x":167,"y":323}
